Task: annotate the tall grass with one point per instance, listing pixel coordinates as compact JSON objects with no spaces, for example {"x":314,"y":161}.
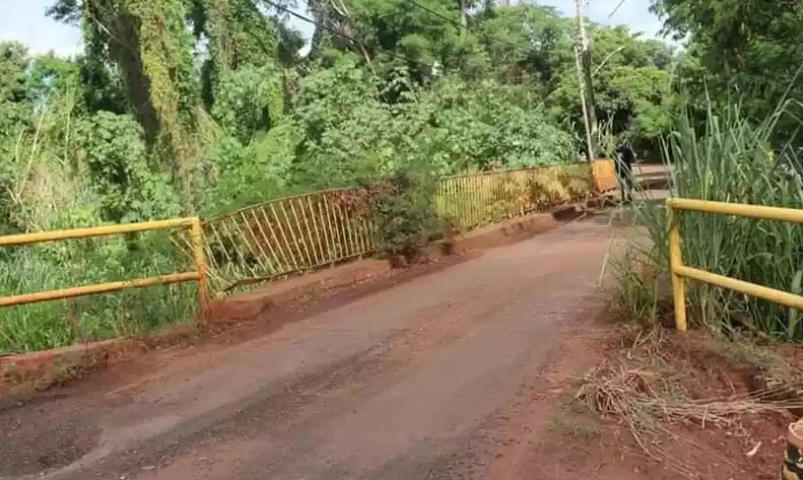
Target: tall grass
{"x":730,"y":161}
{"x":131,"y":312}
{"x":43,"y":186}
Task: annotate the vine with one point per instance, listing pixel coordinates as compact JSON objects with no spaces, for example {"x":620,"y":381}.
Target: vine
{"x":164,"y":47}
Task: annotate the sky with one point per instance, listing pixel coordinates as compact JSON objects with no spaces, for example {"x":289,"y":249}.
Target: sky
{"x":25,"y":21}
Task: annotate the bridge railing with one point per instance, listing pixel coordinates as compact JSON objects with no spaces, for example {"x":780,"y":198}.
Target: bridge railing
{"x":681,"y":272}
{"x":297,"y":234}
{"x":196,"y":241}
{"x":308,"y":232}
{"x":312,"y":231}
{"x":288,"y":235}
{"x":474,"y":200}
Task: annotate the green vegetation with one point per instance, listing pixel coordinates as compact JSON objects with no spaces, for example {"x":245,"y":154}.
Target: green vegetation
{"x":731,"y":162}
{"x":179,"y":107}
{"x":738,"y":141}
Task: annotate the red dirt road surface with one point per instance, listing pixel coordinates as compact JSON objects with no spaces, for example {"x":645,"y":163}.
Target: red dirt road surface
{"x":442,"y":377}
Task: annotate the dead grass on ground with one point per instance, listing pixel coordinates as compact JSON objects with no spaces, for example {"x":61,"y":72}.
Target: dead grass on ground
{"x":699,"y":407}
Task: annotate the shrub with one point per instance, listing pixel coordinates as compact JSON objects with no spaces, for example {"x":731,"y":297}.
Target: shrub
{"x":731,"y":162}
{"x":405,"y":215}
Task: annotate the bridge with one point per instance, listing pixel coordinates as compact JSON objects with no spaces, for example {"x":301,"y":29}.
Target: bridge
{"x":446,"y":371}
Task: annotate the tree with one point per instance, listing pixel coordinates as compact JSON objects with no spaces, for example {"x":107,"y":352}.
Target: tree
{"x":632,"y":88}
{"x":741,"y":51}
{"x":527,"y":43}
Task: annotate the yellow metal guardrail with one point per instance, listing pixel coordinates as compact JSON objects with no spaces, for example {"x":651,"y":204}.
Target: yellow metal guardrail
{"x":478,"y":199}
{"x":288,"y":235}
{"x":311,"y":231}
{"x":193,"y":224}
{"x":681,"y":272}
{"x":603,"y":171}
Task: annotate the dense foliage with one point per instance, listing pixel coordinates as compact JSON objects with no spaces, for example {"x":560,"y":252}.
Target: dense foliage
{"x":175,"y":105}
{"x":202,"y":106}
{"x":179,"y":107}
{"x":738,"y":140}
{"x":740,"y":52}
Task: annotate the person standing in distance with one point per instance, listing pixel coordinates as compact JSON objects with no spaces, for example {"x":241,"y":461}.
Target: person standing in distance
{"x":624,"y":171}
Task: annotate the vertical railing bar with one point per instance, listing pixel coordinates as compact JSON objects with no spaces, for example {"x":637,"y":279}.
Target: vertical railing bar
{"x":284,"y":236}
{"x":334,"y":238}
{"x":470,"y":197}
{"x":352,"y":234}
{"x":237,"y":248}
{"x":321,"y":214}
{"x":272,"y":258}
{"x":306,"y":234}
{"x":465,"y":205}
{"x":307,"y":255}
{"x":262,"y":257}
{"x":477,"y":201}
{"x":284,"y":260}
{"x":675,"y":261}
{"x":344,"y":227}
{"x":340,"y":223}
{"x":323,"y":259}
{"x":361,"y":233}
{"x":251,"y":249}
{"x":221,"y":243}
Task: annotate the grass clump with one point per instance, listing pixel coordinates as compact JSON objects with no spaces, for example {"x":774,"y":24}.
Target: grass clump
{"x":573,"y":426}
{"x":53,"y":324}
{"x":663,"y":387}
{"x":728,"y":159}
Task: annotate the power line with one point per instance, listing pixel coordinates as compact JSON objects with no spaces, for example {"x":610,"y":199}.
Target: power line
{"x":341,"y":34}
{"x":460,"y":25}
{"x":616,"y":9}
{"x":437,"y":14}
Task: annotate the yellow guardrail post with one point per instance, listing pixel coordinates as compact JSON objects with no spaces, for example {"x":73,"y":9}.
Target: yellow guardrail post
{"x":676,"y":262}
{"x":199,"y":255}
{"x":193,"y":224}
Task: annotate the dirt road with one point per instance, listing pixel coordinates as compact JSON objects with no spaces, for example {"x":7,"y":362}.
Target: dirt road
{"x":438,"y":378}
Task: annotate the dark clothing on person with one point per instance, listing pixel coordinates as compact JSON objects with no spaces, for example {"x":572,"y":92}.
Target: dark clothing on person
{"x":624,"y":171}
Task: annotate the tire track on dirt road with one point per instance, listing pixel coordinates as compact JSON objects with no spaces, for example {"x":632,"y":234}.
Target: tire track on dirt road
{"x":401,"y":384}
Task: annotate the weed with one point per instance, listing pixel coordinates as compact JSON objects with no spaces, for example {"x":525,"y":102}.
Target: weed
{"x":573,"y":426}
{"x":730,"y":163}
{"x":659,"y":380}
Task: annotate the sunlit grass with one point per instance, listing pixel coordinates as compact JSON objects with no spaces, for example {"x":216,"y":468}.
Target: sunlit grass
{"x":63,"y":322}
{"x":730,"y":162}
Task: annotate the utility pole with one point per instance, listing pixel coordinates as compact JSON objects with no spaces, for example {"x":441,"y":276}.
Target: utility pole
{"x":583,"y":59}
{"x":581,"y":83}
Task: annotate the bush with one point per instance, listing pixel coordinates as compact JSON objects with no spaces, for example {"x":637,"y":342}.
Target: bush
{"x":731,"y":162}
{"x":405,"y":215}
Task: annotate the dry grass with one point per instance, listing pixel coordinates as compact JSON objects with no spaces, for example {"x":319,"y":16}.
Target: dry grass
{"x":652,"y":386}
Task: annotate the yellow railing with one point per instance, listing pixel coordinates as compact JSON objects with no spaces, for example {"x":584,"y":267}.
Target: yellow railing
{"x":604,"y":173}
{"x":681,"y":272}
{"x":307,"y":232}
{"x":288,"y":235}
{"x":193,"y":224}
{"x":469,"y":201}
